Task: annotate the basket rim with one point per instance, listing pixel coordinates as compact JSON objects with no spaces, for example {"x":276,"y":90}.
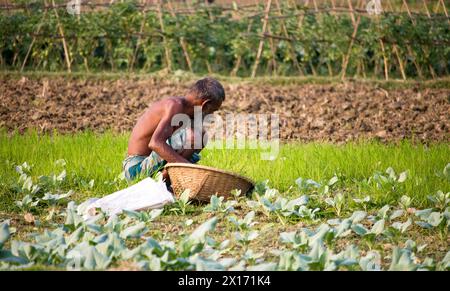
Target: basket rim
{"x":186,"y":165}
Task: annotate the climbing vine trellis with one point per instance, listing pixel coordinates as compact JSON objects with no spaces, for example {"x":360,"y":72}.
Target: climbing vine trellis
{"x":340,"y":38}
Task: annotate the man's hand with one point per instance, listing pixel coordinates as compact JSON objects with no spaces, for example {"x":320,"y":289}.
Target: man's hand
{"x":166,"y":152}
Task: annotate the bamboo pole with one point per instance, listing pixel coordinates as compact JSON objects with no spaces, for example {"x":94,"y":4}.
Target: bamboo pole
{"x":402,"y":70}
{"x":409,"y":12}
{"x":333,"y":4}
{"x":426,"y":8}
{"x":234,"y":71}
{"x":302,"y":16}
{"x":364,"y":69}
{"x":299,"y":24}
{"x":330,"y":69}
{"x":448,"y":20}
{"x":273,"y":50}
{"x":138,"y":42}
{"x":61,"y":31}
{"x":386,"y":74}
{"x":286,"y":34}
{"x":347,"y":56}
{"x":315,"y":6}
{"x":410,"y":52}
{"x":167,"y":52}
{"x":438,"y":4}
{"x":211,"y":17}
{"x":390,"y":5}
{"x":313,"y":69}
{"x":385,"y":60}
{"x":418,"y":68}
{"x":436,"y":8}
{"x":181,"y":39}
{"x":319,"y":19}
{"x":208,"y":67}
{"x":358,"y":69}
{"x":349,"y":51}
{"x":445,"y":10}
{"x":433,"y":74}
{"x":352,"y":16}
{"x":33,"y":41}
{"x":261,"y":42}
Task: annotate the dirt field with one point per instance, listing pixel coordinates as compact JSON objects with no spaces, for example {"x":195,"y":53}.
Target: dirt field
{"x":339,"y":112}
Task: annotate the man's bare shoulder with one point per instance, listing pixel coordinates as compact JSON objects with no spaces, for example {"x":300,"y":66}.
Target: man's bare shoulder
{"x":171,"y":105}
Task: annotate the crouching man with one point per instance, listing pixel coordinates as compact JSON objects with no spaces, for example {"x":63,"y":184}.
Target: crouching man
{"x":155,"y":142}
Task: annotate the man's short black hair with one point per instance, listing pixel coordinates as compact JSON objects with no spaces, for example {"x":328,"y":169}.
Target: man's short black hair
{"x":208,"y":89}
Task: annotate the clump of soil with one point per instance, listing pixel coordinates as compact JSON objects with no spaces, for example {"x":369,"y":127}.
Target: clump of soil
{"x":335,"y":112}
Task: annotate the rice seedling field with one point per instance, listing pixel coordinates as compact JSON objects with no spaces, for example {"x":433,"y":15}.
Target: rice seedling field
{"x":319,"y":206}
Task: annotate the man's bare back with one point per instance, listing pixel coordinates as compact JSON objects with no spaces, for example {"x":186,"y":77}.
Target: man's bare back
{"x":148,"y":122}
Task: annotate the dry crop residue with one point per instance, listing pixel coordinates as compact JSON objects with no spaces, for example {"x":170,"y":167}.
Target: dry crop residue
{"x":338,"y":112}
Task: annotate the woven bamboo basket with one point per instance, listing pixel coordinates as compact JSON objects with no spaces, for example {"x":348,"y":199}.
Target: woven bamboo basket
{"x":204,"y":182}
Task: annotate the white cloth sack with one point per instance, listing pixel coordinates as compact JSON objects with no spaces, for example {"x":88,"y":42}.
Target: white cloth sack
{"x":146,"y":194}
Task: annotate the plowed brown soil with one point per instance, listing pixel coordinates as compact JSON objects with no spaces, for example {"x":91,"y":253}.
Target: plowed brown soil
{"x":338,"y":112}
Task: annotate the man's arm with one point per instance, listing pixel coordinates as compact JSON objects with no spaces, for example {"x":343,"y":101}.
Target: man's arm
{"x":158,"y":141}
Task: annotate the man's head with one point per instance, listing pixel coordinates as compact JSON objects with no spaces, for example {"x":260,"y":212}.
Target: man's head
{"x":208,"y":93}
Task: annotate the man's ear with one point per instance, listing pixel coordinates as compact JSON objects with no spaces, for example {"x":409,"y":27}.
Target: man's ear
{"x":205,"y":102}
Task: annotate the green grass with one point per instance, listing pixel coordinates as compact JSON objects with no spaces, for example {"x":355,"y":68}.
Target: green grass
{"x":95,"y":156}
{"x":99,"y":156}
